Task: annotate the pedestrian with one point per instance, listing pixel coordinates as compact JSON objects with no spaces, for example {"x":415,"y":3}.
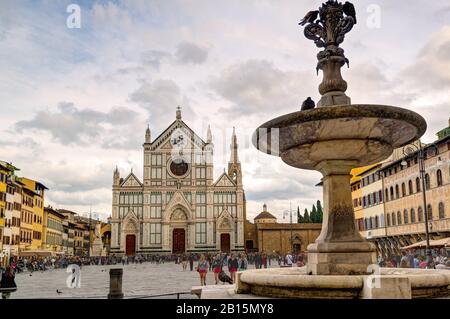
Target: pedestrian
{"x":184,"y":262}
{"x":232,"y":267}
{"x":242,"y":262}
{"x":8,"y":282}
{"x":289,"y":259}
{"x":258,"y":261}
{"x":404,"y":261}
{"x":264,"y":260}
{"x":217,"y":267}
{"x":202,"y":269}
{"x":191,"y":262}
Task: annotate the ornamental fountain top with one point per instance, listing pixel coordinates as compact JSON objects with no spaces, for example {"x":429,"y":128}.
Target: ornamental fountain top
{"x":327,"y":28}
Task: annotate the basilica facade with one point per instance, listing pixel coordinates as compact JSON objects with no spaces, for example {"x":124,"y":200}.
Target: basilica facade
{"x":178,"y":207}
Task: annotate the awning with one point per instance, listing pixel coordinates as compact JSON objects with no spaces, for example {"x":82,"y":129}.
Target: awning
{"x":36,"y":252}
{"x":443,"y":242}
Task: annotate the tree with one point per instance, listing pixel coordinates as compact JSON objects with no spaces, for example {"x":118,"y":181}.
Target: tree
{"x":313,"y":215}
{"x":299,"y":217}
{"x":319,"y":211}
{"x":306,"y":217}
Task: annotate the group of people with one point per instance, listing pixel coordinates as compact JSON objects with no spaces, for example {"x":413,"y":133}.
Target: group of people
{"x":233,"y":262}
{"x":412,"y":259}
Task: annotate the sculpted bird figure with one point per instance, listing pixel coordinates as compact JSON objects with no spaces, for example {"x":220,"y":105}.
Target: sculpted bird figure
{"x":349,"y":9}
{"x":310,"y":17}
{"x":308,"y":104}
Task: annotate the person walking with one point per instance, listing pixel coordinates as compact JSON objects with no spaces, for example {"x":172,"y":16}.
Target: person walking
{"x":184,"y":262}
{"x":289,"y":259}
{"x":202,"y":268}
{"x":8,"y":282}
{"x":232,"y":267}
{"x":191,"y":262}
{"x":242,"y":262}
{"x":258,"y":261}
{"x":404,"y":262}
{"x":216,"y":266}
{"x":264,"y":260}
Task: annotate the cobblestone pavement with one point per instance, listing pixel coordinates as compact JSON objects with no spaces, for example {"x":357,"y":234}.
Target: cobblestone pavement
{"x":138,"y":280}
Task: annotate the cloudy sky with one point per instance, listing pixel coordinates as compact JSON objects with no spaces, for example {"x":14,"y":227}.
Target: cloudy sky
{"x":76,"y":101}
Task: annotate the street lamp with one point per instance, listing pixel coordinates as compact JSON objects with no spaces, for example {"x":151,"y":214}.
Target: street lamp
{"x":285,"y":213}
{"x":408,"y":150}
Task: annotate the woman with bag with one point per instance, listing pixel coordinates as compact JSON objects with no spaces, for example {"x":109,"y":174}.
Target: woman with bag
{"x":8,"y":282}
{"x":217,"y":267}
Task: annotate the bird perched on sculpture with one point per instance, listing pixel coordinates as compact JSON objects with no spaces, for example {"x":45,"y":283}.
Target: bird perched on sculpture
{"x":308,"y":104}
{"x":310,"y":17}
{"x":223,"y":277}
{"x":349,"y":9}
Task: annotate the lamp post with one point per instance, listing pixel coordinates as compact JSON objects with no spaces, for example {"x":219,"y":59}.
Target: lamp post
{"x":285,"y":213}
{"x":408,"y":150}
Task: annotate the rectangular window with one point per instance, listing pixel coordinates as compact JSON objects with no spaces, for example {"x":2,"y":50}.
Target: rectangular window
{"x":155,"y":233}
{"x":200,"y":172}
{"x":156,"y":172}
{"x":155,"y":212}
{"x":200,"y":211}
{"x":155,"y":198}
{"x":156,"y":159}
{"x":200,"y":233}
{"x":200,"y":198}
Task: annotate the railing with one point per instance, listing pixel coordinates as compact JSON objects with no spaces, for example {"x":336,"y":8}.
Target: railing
{"x":160,"y":295}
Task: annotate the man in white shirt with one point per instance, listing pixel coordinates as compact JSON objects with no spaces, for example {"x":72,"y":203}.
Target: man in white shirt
{"x":289,"y":259}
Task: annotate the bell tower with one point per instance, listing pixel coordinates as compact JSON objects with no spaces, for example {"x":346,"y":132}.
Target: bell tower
{"x":234,"y":166}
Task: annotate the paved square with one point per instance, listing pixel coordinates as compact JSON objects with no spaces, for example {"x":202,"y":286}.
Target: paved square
{"x":138,"y":280}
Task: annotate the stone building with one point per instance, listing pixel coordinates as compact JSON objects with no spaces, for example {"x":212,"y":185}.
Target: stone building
{"x":393,"y":213}
{"x":178,"y":206}
{"x":265,"y":234}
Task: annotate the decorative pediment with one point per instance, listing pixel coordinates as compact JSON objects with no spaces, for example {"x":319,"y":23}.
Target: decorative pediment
{"x":178,"y":199}
{"x":224,"y":220}
{"x":162,"y":142}
{"x":130,"y":181}
{"x":224,"y":181}
{"x":130,"y":222}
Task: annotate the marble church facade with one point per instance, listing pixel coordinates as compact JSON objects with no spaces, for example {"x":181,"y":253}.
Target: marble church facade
{"x":178,"y":207}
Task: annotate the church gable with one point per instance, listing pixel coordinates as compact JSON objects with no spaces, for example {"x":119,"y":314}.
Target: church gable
{"x":178,"y":199}
{"x":163,"y":141}
{"x":131,"y":181}
{"x":224,"y":181}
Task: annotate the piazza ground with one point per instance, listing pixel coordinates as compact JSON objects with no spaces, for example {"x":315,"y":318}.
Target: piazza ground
{"x":138,"y":280}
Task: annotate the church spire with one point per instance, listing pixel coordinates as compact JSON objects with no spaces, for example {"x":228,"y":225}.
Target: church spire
{"x":209,"y":135}
{"x":234,"y":166}
{"x":178,"y":112}
{"x":148,"y":136}
{"x":116,"y":176}
{"x":234,"y":148}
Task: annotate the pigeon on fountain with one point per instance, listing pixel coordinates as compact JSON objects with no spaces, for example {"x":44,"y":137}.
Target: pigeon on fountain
{"x":310,"y":17}
{"x":308,"y":104}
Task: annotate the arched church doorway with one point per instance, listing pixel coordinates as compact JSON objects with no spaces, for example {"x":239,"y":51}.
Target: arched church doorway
{"x":225,"y":243}
{"x":178,"y":241}
{"x":130,"y":246}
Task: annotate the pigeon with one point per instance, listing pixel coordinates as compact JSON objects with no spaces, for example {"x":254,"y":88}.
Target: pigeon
{"x":308,"y":104}
{"x":349,"y":9}
{"x":58,"y":292}
{"x":31,"y":275}
{"x":310,"y":17}
{"x":223,"y":277}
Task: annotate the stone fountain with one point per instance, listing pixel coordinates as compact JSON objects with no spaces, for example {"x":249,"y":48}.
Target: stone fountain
{"x":333,"y":138}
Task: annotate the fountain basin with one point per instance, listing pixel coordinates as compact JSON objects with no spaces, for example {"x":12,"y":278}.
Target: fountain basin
{"x":393,"y":283}
{"x":365,"y":134}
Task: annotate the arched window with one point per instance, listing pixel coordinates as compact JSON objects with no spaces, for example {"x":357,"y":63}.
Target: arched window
{"x":403,"y":190}
{"x":397,"y":193}
{"x":420,"y":214}
{"x":427,"y":182}
{"x":377,"y":222}
{"x":392,"y":193}
{"x":430,"y":212}
{"x":388,"y":219}
{"x":394,"y":222}
{"x":441,"y":210}
{"x":386,"y":193}
{"x":399,"y":218}
{"x":417,"y":184}
{"x":413,"y":215}
{"x":381,"y":221}
{"x":410,"y":187}
{"x":405,"y":216}
{"x":366,"y":224}
{"x":439,"y":177}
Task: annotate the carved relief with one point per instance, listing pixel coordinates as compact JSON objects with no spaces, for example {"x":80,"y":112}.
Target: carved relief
{"x":178,"y":214}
